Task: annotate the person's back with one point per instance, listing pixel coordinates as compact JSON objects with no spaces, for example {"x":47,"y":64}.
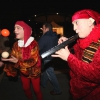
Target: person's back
{"x":48,"y":40}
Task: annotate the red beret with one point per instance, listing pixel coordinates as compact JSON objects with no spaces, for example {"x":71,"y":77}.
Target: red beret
{"x":85,"y":14}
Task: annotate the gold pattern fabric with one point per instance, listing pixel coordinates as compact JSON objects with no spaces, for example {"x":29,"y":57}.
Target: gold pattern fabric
{"x":30,"y":67}
{"x":89,"y":52}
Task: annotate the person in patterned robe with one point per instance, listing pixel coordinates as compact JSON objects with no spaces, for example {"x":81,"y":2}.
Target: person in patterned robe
{"x":25,"y":58}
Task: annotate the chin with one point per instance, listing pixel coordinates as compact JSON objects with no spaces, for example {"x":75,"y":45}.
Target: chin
{"x":82,"y":36}
{"x":16,"y":37}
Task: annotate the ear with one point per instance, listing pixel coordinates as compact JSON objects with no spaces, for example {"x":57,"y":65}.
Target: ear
{"x":91,"y":21}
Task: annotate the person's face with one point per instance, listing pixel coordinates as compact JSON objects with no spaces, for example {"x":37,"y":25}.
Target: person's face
{"x":82,"y":27}
{"x":44,"y":29}
{"x":19,"y":32}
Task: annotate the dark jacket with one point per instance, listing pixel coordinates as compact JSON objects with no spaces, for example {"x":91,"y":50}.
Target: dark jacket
{"x":48,"y":41}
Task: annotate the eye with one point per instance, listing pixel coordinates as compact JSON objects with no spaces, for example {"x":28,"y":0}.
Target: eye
{"x":76,"y":22}
{"x":18,"y":28}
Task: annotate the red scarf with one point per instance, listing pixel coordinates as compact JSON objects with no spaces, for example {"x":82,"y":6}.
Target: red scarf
{"x":92,"y":37}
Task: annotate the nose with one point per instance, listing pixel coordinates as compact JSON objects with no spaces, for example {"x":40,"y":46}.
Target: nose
{"x":15,"y":30}
{"x":74,"y":27}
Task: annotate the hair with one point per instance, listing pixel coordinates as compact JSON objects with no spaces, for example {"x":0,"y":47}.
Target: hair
{"x":48,"y":25}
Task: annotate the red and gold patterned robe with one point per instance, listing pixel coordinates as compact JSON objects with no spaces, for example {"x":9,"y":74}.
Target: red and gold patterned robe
{"x":85,"y":77}
{"x":29,"y":67}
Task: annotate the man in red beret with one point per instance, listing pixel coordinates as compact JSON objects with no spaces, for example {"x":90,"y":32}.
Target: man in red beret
{"x":84,"y":64}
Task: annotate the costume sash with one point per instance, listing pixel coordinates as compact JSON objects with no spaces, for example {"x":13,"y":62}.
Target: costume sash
{"x":89,"y":52}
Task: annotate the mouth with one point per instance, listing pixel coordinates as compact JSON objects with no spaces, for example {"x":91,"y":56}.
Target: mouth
{"x":16,"y":33}
{"x":78,"y":33}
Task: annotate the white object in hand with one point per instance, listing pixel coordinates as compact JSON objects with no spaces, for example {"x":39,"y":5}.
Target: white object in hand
{"x":5,"y":54}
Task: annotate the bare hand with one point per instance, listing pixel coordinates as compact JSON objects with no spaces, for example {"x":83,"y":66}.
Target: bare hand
{"x":62,"y":53}
{"x":62,"y":39}
{"x":11,"y":59}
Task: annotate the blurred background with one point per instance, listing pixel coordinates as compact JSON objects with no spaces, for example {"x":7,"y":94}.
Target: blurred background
{"x":35,"y":12}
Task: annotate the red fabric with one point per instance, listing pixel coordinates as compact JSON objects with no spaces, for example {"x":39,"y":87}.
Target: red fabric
{"x":85,"y":78}
{"x":36,"y":87}
{"x":86,"y":13}
{"x":30,"y":67}
{"x":27,"y":50}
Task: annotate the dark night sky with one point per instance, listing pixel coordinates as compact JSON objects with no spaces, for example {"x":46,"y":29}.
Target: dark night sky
{"x":13,"y":10}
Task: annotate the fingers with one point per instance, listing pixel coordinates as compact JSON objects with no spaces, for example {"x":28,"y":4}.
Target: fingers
{"x":55,"y":55}
{"x":12,"y":57}
{"x":62,"y":39}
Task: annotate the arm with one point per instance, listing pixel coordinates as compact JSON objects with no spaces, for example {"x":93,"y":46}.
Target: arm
{"x":16,"y":56}
{"x":41,"y":43}
{"x":23,"y":65}
{"x":32,"y":50}
{"x":83,"y":70}
{"x":58,"y":47}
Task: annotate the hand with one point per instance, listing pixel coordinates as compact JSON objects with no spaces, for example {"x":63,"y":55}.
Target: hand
{"x":1,"y":63}
{"x":62,"y":53}
{"x":62,"y":39}
{"x":11,"y":59}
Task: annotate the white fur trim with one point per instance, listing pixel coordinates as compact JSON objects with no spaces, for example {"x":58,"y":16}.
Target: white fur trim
{"x":21,"y":42}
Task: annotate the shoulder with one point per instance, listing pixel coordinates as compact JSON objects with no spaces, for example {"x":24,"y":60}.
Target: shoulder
{"x":16,"y":43}
{"x":44,"y":38}
{"x":34,"y":43}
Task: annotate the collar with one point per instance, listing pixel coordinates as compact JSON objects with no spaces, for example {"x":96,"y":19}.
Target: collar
{"x":21,"y":42}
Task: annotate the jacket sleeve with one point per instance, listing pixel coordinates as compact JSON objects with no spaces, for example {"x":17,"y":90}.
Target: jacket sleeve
{"x":41,"y":43}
